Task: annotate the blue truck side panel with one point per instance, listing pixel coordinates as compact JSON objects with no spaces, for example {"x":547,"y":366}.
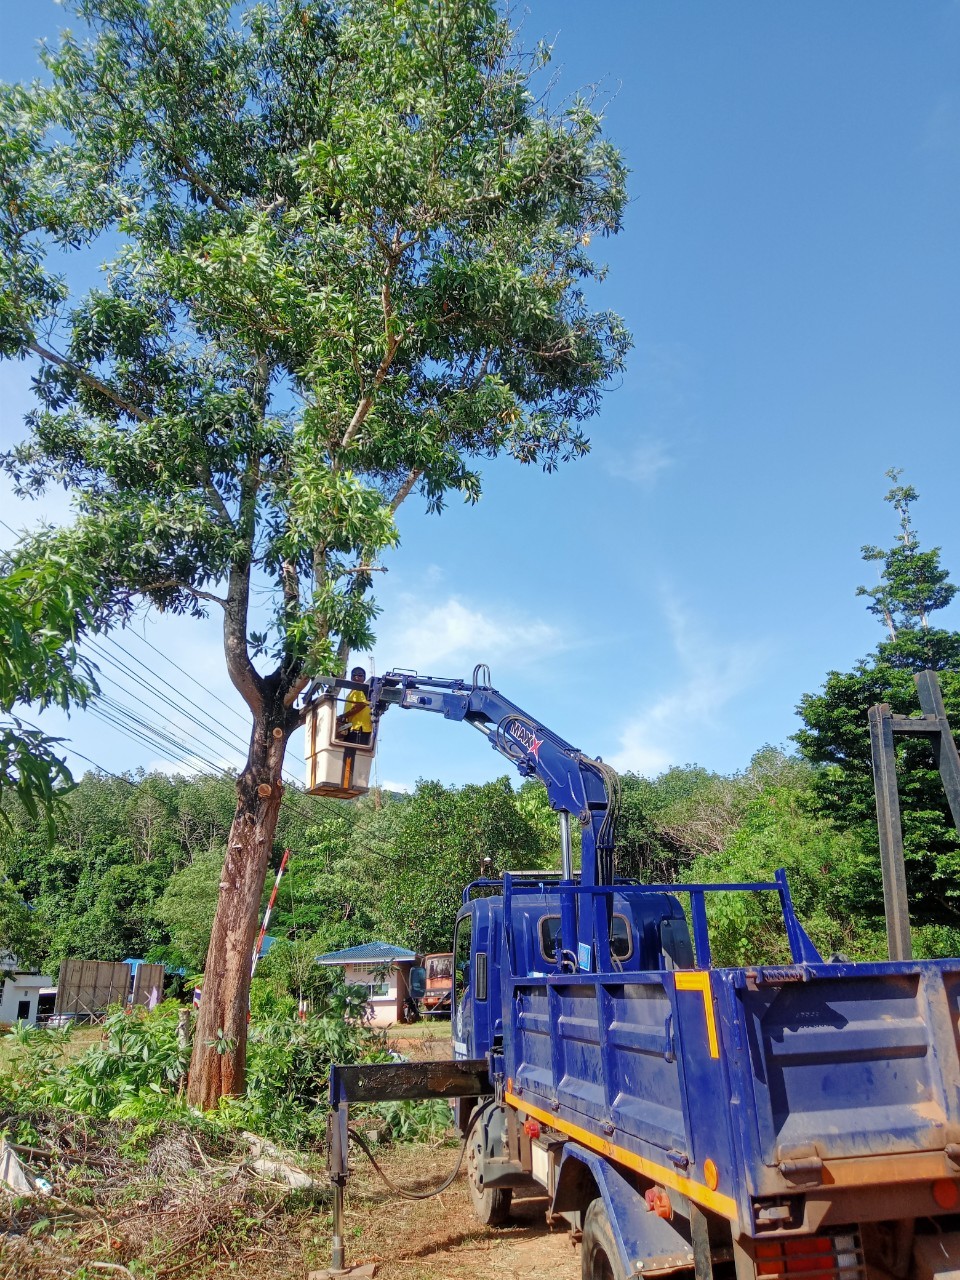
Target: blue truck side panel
{"x":718,"y":1083}
{"x":853,"y":1061}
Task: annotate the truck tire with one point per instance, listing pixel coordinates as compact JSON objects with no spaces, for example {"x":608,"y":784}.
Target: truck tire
{"x":490,"y":1204}
{"x":599,"y":1255}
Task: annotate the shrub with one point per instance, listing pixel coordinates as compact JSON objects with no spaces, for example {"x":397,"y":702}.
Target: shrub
{"x":136,"y":1070}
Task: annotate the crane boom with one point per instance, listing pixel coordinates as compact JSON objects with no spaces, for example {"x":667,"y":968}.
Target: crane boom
{"x":577,"y":785}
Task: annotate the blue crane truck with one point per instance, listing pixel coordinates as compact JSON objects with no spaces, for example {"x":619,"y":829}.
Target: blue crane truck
{"x":799,"y":1120}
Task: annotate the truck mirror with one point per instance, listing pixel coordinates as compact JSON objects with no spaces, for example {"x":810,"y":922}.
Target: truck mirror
{"x":675,"y":944}
{"x":418,"y":982}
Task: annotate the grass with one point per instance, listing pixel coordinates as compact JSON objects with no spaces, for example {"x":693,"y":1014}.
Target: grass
{"x":74,"y":1043}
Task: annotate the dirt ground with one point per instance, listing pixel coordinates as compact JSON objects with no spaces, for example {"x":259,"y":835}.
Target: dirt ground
{"x":440,"y":1238}
{"x":194,"y":1233}
{"x":192,"y":1214}
{"x":422,"y":1042}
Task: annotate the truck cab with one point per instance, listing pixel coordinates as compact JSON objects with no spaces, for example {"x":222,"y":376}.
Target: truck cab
{"x":647,"y":931}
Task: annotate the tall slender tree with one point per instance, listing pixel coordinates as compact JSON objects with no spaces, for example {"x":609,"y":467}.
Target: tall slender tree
{"x":348,"y":248}
{"x":913,"y":586}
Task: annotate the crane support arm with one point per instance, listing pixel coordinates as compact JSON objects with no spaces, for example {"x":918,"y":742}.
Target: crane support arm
{"x":576,"y":784}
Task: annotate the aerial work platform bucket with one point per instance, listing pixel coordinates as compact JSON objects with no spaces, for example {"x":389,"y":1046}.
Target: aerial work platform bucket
{"x":338,"y":757}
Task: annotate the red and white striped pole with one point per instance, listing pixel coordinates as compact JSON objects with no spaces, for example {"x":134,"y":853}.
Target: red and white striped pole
{"x":266,"y":914}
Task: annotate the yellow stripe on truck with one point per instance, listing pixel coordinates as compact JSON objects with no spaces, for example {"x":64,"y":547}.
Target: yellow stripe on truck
{"x":696,"y":1191}
{"x":699,"y":980}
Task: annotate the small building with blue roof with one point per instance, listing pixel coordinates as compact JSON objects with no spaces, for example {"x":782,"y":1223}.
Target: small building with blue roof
{"x":384,"y":969}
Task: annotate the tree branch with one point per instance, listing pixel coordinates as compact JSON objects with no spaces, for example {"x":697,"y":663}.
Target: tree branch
{"x":183,"y":586}
{"x":294,"y":692}
{"x":90,"y":379}
{"x":216,"y":497}
{"x":190,"y":175}
{"x":405,"y":489}
{"x":393,"y":343}
{"x":246,"y":679}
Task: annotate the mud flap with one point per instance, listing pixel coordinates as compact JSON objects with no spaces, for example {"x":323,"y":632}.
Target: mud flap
{"x":646,"y":1243}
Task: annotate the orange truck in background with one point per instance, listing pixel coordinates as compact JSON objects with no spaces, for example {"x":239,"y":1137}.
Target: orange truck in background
{"x":432,"y":983}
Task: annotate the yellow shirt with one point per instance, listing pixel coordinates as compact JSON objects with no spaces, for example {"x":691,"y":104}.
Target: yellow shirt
{"x":359,"y":721}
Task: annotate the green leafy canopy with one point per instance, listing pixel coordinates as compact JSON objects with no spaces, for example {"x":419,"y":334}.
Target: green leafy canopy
{"x":42,"y":611}
{"x":348,"y":253}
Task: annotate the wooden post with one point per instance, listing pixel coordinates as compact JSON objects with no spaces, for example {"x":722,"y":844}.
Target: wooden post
{"x":183,"y":1028}
{"x":896,"y":908}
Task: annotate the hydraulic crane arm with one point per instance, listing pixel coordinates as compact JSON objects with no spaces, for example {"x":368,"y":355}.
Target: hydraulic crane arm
{"x":576,"y":784}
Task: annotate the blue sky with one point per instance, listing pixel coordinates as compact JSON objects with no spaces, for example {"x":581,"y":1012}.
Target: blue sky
{"x":790,"y":270}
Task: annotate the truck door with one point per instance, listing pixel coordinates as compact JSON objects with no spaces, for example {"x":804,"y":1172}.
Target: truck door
{"x":463,"y":989}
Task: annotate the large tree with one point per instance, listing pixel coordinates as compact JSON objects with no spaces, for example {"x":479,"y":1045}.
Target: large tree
{"x":348,"y":250}
{"x":434,"y":843}
{"x":912,"y":586}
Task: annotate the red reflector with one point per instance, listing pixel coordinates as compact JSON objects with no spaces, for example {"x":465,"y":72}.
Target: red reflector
{"x":767,"y":1249}
{"x":810,"y":1257}
{"x":531,"y":1128}
{"x":769,"y":1258}
{"x":658,"y":1202}
{"x":946,"y":1193}
{"x":812,"y":1254}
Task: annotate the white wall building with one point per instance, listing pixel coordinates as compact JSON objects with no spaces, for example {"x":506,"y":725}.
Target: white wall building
{"x":20,"y":996}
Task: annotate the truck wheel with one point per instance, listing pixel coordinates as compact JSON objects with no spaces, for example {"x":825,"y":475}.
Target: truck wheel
{"x":599,"y":1255}
{"x":490,"y":1204}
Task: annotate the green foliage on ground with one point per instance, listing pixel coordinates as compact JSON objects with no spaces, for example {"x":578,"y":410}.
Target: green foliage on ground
{"x":135,"y":1071}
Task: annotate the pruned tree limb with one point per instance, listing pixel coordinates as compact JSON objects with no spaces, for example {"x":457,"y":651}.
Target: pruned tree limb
{"x":169,"y":583}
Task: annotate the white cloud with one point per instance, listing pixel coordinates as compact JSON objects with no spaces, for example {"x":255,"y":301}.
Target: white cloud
{"x":712,"y":673}
{"x":424,"y":639}
{"x":401,"y":787}
{"x":643,"y":464}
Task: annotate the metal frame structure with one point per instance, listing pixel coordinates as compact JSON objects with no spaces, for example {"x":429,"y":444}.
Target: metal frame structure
{"x":884,"y":725}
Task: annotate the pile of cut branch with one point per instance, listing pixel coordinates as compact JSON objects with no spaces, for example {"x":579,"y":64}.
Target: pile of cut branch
{"x":147,"y":1202}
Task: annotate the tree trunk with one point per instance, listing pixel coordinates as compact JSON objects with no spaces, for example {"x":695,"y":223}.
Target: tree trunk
{"x":218,"y":1062}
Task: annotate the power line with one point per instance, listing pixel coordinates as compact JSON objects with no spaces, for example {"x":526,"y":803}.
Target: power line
{"x":157,"y":676}
{"x":159,"y":734}
{"x":181,"y":710}
{"x":135,"y":726}
{"x":233,"y":711}
{"x":71,"y":751}
{"x":231,"y":744}
{"x":180,"y":694}
{"x":234,"y":743}
{"x":139,"y":733}
{"x":109,"y":772}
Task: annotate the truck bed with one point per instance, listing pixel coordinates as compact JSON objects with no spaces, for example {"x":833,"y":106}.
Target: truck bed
{"x":761,"y":1082}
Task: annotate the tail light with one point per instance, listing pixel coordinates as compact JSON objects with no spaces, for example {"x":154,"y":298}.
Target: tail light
{"x":817,"y":1257}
